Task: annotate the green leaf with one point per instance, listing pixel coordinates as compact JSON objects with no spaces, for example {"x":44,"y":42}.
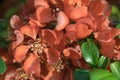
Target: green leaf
{"x":115,"y":10}
{"x":81,"y":74}
{"x":101,"y":74}
{"x":90,"y":52}
{"x":118,"y":26}
{"x":103,"y":62}
{"x":2,"y":66}
{"x":115,"y":68}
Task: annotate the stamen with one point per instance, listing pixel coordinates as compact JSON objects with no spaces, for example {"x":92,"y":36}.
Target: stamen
{"x":59,"y":65}
{"x":37,"y":46}
{"x":21,"y":75}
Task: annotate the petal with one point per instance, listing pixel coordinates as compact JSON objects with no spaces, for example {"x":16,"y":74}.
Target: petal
{"x":88,"y":21}
{"x":34,"y":20}
{"x":59,"y":35}
{"x":85,"y":2}
{"x":70,"y":32}
{"x":52,"y":55}
{"x":44,"y":14}
{"x":49,"y":36}
{"x":19,"y":37}
{"x":67,"y":74}
{"x":32,"y":65}
{"x":52,"y":75}
{"x":107,"y":36}
{"x":62,"y":21}
{"x":79,"y":12}
{"x":72,"y":53}
{"x":107,"y":48}
{"x":96,"y":7}
{"x":82,"y":31}
{"x":102,"y":23}
{"x":61,"y":45}
{"x":38,"y":3}
{"x":15,"y":21}
{"x":29,"y":30}
{"x":104,"y":36}
{"x":20,"y":53}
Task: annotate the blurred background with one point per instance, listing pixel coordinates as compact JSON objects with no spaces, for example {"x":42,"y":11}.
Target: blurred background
{"x":10,"y":7}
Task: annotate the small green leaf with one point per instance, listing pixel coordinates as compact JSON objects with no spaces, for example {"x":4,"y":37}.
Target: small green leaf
{"x":81,"y":74}
{"x":90,"y":52}
{"x":103,"y":62}
{"x":2,"y":66}
{"x":101,"y":74}
{"x":118,"y":26}
{"x":115,"y":68}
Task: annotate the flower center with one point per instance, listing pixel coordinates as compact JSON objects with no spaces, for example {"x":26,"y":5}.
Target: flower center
{"x":21,"y":75}
{"x":37,"y":46}
{"x":59,"y":65}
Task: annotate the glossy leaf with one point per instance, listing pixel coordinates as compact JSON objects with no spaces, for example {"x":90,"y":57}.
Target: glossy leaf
{"x":101,"y":74}
{"x":2,"y":66}
{"x":115,"y":68}
{"x":90,"y":52}
{"x":81,"y":74}
{"x":103,"y":62}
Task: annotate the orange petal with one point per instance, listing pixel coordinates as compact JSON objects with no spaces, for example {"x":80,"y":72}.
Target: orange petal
{"x":67,"y":74}
{"x":38,"y":3}
{"x":85,"y":2}
{"x":96,"y":7}
{"x":32,"y":65}
{"x":107,"y":48}
{"x":44,"y":14}
{"x":62,"y":21}
{"x":49,"y":36}
{"x":102,"y":23}
{"x":34,"y":20}
{"x":82,"y":31}
{"x":52,"y":55}
{"x":107,"y":36}
{"x":72,"y":53}
{"x":88,"y":21}
{"x":59,"y":35}
{"x":52,"y":75}
{"x":70,"y":32}
{"x":79,"y":12}
{"x":20,"y":53}
{"x":29,"y":30}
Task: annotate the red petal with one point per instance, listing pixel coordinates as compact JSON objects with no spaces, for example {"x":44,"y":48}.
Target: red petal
{"x":49,"y":36}
{"x":82,"y":31}
{"x":62,"y":21}
{"x":96,"y":7}
{"x":70,"y":32}
{"x":29,"y":30}
{"x":52,"y":55}
{"x":88,"y":21}
{"x":20,"y":53}
{"x":59,"y":35}
{"x":79,"y":12}
{"x":52,"y":75}
{"x":102,"y":23}
{"x":72,"y":53}
{"x":44,"y":14}
{"x":38,"y":3}
{"x":32,"y":65}
{"x":107,"y":48}
{"x":107,"y":36}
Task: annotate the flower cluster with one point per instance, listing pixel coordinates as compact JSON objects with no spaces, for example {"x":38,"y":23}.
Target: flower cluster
{"x":46,"y":33}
